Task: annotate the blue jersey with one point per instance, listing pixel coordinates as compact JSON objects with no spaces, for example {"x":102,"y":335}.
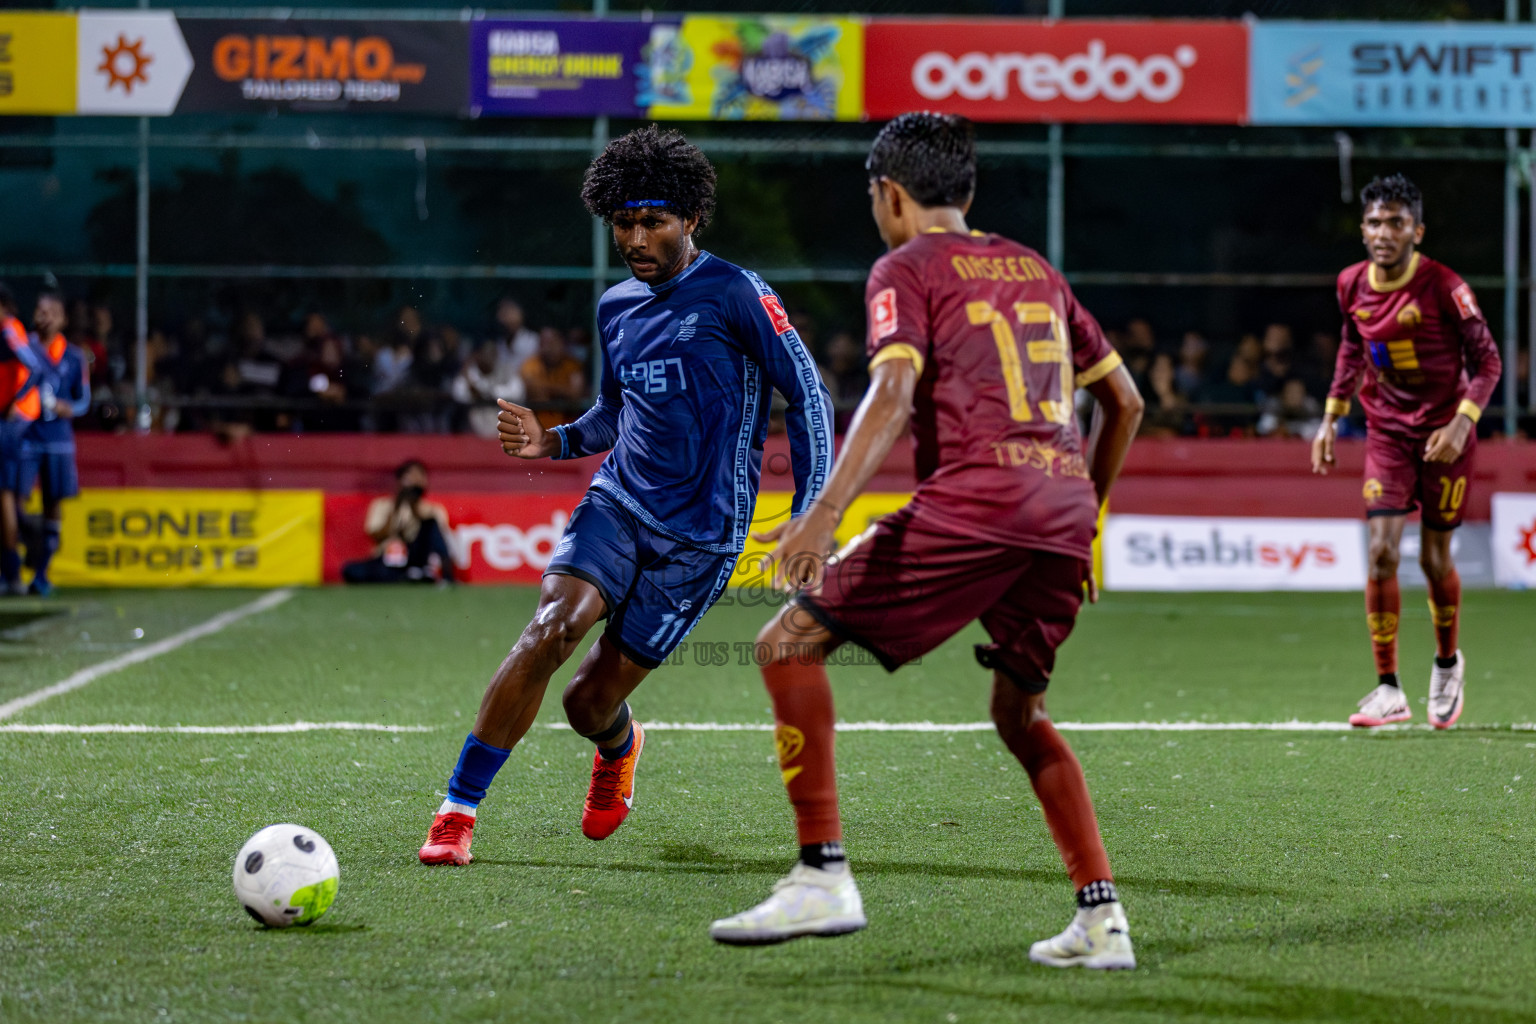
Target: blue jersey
{"x":686,"y":387}
{"x":64,"y":378}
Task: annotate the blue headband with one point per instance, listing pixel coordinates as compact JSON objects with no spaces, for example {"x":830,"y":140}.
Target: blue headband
{"x":633,"y":203}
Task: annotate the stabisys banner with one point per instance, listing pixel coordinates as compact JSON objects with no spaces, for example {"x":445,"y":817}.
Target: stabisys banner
{"x":557,"y":68}
{"x":414,"y":67}
{"x":1239,"y":554}
{"x":1154,"y":71}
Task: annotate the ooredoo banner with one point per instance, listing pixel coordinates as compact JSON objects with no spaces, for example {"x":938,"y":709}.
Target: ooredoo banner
{"x":510,"y":537}
{"x":1193,"y":553}
{"x":1381,"y":73}
{"x":136,"y":537}
{"x":303,"y":65}
{"x":1161,"y":71}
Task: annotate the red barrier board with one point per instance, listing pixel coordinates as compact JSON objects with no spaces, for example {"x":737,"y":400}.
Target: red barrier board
{"x":1169,"y":72}
{"x":497,"y":538}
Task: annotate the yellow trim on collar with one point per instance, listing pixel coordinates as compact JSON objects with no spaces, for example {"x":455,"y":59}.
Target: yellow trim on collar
{"x":1099,"y":370}
{"x":1392,"y":286}
{"x":898,"y":350}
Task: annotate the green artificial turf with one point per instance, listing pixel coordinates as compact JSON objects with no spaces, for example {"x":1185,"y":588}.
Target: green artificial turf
{"x":1268,"y":876}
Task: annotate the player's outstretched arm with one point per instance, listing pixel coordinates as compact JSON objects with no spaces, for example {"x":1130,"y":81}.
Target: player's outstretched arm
{"x":804,"y":543}
{"x":522,"y":435}
{"x":1123,"y":405}
{"x":1322,"y":445}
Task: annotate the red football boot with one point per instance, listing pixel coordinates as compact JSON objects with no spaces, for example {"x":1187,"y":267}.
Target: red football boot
{"x":448,"y":841}
{"x":612,"y":792}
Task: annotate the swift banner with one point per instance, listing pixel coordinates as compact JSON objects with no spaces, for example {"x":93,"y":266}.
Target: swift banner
{"x":766,"y":68}
{"x":163,"y":538}
{"x":37,"y":63}
{"x":1372,"y":73}
{"x":302,"y":65}
{"x":1158,"y":71}
{"x":556,"y":68}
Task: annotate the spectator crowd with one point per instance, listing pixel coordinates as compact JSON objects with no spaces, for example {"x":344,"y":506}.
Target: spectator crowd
{"x":413,"y":377}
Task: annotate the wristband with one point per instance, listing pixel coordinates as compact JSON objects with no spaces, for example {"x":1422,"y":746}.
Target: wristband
{"x":1336,"y":407}
{"x":1470,"y":409}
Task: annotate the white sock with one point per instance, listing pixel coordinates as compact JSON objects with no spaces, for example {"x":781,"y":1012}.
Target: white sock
{"x":450,"y":807}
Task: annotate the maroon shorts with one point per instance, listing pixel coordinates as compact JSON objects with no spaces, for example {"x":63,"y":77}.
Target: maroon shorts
{"x":902,"y":589}
{"x":1398,"y":480}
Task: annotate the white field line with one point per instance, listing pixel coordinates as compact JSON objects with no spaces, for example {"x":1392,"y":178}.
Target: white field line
{"x":759,"y":727}
{"x":1291,"y":726}
{"x":89,"y":675}
{"x":218,"y":730}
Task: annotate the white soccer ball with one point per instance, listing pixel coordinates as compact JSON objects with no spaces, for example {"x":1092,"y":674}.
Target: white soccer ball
{"x":286,"y":874}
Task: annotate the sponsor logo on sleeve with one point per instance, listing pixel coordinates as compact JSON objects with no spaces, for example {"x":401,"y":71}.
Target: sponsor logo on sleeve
{"x":1466,"y":302}
{"x":882,"y":314}
{"x":776,"y":314}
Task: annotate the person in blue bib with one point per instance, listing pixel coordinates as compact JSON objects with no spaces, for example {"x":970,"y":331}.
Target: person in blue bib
{"x":693,"y":347}
{"x":48,"y":446}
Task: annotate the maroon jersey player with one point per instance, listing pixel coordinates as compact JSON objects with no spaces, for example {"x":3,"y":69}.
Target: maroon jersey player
{"x":1417,"y":347}
{"x":977,"y":344}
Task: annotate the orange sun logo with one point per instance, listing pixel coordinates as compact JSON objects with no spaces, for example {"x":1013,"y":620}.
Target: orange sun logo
{"x":124,"y":63}
{"x":1527,"y":544}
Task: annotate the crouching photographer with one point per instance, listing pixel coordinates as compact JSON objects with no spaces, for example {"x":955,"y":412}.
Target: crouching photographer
{"x":411,"y":532}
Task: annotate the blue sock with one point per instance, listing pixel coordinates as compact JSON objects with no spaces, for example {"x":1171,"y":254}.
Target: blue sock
{"x":52,"y":529}
{"x":616,"y":753}
{"x":478,"y":764}
{"x":10,"y":566}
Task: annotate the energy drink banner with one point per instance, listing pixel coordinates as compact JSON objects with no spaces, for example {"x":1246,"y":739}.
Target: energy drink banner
{"x":764,"y":68}
{"x":300,"y":65}
{"x":1374,"y":73}
{"x":134,"y":537}
{"x":557,"y":68}
{"x":37,"y":63}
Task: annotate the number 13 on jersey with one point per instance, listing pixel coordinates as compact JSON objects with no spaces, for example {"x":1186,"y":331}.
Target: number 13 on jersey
{"x":1050,"y":349}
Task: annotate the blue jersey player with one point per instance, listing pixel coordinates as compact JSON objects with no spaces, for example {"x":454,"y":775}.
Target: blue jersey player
{"x":48,"y":446}
{"x":693,"y":347}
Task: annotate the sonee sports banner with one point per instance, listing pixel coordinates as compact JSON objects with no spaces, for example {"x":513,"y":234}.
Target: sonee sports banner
{"x":134,"y":537}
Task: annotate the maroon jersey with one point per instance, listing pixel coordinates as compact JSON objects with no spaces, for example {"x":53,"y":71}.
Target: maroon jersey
{"x":1421,"y":343}
{"x":999,"y":343}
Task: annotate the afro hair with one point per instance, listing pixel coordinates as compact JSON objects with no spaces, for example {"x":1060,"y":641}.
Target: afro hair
{"x":932,"y":156}
{"x":1395,"y":190}
{"x":651,"y":164}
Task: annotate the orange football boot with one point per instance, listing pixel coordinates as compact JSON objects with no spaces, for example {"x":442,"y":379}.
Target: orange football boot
{"x":448,"y":840}
{"x":612,"y":792}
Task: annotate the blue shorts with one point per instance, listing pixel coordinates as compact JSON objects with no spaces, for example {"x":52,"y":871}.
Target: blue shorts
{"x":11,"y":455}
{"x":657,"y":589}
{"x":54,"y":470}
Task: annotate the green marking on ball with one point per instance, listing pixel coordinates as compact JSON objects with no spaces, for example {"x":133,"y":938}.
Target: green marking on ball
{"x":315,"y":899}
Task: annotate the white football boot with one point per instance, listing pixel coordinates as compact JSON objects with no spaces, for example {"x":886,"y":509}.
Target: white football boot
{"x":1099,"y":939}
{"x":807,"y":901}
{"x":1445,"y":693}
{"x":1382,"y":706}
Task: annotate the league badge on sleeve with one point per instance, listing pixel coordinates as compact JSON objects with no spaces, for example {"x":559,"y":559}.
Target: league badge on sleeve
{"x":882,"y":314}
{"x":776,"y":313}
{"x":1466,"y":302}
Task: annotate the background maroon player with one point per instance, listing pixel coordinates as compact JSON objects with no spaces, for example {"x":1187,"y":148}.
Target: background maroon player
{"x":978,"y":344}
{"x":1413,"y":331}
